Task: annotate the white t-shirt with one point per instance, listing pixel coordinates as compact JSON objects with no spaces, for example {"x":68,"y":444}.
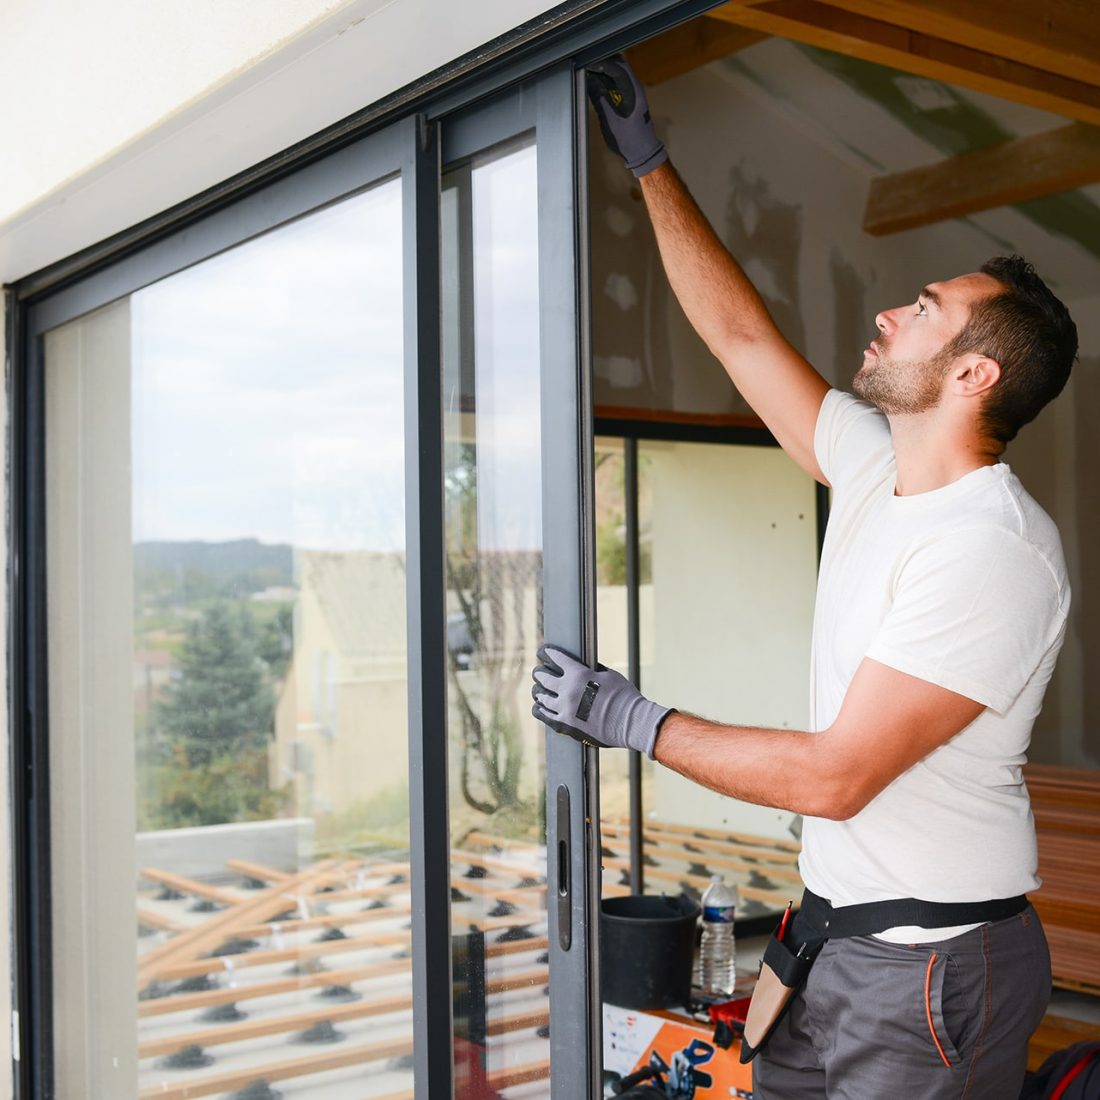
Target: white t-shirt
{"x":963,"y":586}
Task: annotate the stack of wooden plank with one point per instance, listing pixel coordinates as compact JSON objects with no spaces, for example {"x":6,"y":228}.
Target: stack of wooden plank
{"x":1066,"y":804}
{"x":270,"y":983}
{"x":684,"y":857}
{"x":236,"y":983}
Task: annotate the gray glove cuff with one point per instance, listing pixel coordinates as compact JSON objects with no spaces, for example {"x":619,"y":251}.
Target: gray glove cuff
{"x":641,"y":720}
{"x":653,"y":160}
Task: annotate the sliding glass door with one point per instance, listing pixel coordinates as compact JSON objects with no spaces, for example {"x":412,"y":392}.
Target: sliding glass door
{"x":226,"y":615}
{"x":300,"y":497}
{"x":512,"y":437}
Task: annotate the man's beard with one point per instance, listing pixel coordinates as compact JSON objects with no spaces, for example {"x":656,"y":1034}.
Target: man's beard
{"x":902,"y":387}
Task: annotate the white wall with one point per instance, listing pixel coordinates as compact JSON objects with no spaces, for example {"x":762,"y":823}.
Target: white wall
{"x":127,"y":108}
{"x":734,"y":576}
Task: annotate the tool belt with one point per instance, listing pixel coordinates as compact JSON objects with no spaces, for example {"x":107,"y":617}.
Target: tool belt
{"x":786,"y":963}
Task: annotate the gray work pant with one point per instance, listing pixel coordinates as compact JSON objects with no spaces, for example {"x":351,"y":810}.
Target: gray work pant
{"x":935,"y":1021}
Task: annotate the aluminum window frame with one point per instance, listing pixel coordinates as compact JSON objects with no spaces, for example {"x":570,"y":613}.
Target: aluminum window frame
{"x":551,"y":107}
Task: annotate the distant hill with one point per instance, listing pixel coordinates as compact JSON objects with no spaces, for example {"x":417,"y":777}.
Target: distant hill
{"x":181,"y":571}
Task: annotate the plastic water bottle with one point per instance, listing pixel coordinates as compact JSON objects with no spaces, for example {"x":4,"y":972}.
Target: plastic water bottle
{"x":716,"y":971}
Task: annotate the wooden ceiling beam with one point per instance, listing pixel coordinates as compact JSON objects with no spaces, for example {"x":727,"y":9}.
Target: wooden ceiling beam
{"x":687,"y":46}
{"x":818,"y":24}
{"x":1015,"y":171}
{"x":1060,"y":36}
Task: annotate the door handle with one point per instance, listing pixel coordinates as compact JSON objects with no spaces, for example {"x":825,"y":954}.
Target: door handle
{"x":565,"y":848}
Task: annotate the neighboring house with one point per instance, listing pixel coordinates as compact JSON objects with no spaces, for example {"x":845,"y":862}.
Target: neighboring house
{"x":345,"y":695}
{"x":345,"y":690}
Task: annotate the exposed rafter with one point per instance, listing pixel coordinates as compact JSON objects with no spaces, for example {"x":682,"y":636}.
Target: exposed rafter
{"x":688,"y":46}
{"x":1027,"y":168}
{"x":1060,"y":36}
{"x":876,"y":40}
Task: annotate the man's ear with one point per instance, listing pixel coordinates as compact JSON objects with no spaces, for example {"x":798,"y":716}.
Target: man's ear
{"x":973,"y":375}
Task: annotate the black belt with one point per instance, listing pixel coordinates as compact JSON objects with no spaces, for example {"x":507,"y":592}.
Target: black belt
{"x":819,"y":919}
{"x":787,"y":961}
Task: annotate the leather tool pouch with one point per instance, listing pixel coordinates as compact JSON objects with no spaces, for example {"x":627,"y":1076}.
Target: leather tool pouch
{"x":782,"y":974}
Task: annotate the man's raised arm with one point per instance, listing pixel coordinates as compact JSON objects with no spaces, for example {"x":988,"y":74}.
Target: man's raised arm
{"x":719,"y":300}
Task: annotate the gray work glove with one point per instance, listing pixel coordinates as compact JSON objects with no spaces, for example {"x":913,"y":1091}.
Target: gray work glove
{"x":596,"y":707}
{"x":623,"y":112}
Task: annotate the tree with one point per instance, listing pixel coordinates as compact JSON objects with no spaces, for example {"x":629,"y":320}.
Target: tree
{"x":233,"y":786}
{"x":211,"y":765}
{"x":487,"y":669}
{"x":220,"y":700}
{"x":276,"y":641}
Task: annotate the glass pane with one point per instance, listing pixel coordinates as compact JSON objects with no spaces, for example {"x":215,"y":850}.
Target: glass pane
{"x":733,"y":560}
{"x":494,"y":620}
{"x":228,"y":674}
{"x":613,"y":646}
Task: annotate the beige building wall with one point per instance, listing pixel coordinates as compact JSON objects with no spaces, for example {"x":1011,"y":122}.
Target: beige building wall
{"x":341,"y":719}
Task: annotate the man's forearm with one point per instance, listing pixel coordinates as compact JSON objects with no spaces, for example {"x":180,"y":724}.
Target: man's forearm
{"x":788,"y":769}
{"x":722,"y":305}
{"x":715,"y":294}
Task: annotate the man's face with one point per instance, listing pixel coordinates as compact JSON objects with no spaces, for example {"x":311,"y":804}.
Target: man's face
{"x":904,"y":368}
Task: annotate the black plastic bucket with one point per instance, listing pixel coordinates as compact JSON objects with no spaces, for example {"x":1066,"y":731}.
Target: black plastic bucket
{"x":646,"y":947}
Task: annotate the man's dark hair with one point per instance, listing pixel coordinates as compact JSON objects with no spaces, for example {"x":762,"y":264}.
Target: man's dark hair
{"x":1030,"y":333}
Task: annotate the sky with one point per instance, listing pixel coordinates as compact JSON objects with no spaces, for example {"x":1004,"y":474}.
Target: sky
{"x":267,"y":382}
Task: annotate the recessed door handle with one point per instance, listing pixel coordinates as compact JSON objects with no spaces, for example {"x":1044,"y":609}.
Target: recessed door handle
{"x":564,"y":876}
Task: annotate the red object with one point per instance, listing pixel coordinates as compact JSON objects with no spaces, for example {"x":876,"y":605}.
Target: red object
{"x":783,"y":923}
{"x":471,"y":1080}
{"x":730,"y":1011}
{"x":1077,"y":1070}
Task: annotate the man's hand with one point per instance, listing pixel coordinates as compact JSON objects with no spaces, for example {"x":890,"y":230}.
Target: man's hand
{"x":623,"y":112}
{"x":596,"y":707}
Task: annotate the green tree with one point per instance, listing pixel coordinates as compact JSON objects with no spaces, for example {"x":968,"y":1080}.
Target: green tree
{"x":232,"y":786}
{"x":489,"y":589}
{"x":276,"y":641}
{"x":221,"y":700}
{"x":210,"y":761}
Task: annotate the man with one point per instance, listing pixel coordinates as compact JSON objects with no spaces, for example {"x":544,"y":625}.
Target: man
{"x":941,"y":608}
